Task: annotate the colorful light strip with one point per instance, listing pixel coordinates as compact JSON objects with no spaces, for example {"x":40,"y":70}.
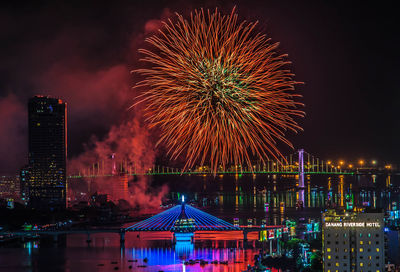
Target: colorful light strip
{"x":165,"y":221}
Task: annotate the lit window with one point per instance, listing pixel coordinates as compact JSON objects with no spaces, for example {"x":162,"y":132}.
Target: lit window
{"x":361,"y":242}
{"x":377,"y":249}
{"x":361,"y":264}
{"x":329,"y":257}
{"x":328,"y":249}
{"x":361,"y":249}
{"x":337,"y":264}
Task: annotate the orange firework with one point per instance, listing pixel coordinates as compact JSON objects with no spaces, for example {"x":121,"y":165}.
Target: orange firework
{"x":218,"y":91}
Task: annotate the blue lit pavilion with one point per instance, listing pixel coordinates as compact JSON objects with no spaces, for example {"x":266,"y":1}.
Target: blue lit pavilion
{"x":182,"y":219}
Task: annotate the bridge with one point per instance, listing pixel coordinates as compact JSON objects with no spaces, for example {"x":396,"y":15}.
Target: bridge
{"x":182,"y":220}
{"x":300,"y":162}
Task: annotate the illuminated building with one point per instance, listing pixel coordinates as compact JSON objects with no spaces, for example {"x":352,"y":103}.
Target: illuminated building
{"x":46,"y":180}
{"x":24,"y":188}
{"x":9,"y":187}
{"x":353,"y":241}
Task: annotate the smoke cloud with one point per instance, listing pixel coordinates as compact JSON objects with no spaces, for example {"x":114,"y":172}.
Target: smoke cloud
{"x":127,"y":149}
{"x":88,"y":65}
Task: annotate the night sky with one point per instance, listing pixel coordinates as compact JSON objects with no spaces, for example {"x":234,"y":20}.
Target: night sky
{"x":346,"y":52}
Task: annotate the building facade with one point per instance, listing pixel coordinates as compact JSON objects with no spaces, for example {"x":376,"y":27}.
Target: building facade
{"x":9,"y":187}
{"x":353,"y":241}
{"x":46,"y":176}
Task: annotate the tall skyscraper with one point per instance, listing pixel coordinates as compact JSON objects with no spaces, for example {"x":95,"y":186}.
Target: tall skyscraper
{"x":353,"y":241}
{"x":46,"y":181}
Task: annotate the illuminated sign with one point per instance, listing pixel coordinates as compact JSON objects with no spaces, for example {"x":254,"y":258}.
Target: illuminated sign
{"x":353,"y":224}
{"x":271,"y":234}
{"x":286,"y":230}
{"x":263,"y":235}
{"x":292,"y":231}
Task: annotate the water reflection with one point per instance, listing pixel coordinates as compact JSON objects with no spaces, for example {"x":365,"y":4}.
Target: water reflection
{"x":265,"y":199}
{"x":245,"y":196}
{"x":149,"y":258}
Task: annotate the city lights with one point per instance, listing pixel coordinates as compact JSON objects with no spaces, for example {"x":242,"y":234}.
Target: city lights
{"x":187,"y":147}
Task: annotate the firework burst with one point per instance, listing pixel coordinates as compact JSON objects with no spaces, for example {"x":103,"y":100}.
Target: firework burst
{"x":218,"y":91}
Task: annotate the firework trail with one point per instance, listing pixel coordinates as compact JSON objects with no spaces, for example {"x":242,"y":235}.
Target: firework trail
{"x":218,"y":91}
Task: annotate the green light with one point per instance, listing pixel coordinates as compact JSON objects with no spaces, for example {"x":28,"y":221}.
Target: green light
{"x":240,"y":174}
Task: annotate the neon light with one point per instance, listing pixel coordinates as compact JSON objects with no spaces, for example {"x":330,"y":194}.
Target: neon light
{"x":194,"y":219}
{"x":182,"y":237}
{"x":222,"y":173}
{"x":353,"y":224}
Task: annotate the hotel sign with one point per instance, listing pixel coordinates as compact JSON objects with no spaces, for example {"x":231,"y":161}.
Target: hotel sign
{"x":353,"y":224}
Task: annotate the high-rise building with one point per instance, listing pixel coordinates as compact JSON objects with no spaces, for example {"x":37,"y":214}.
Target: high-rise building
{"x":353,"y":241}
{"x":46,"y":180}
{"x":9,"y":187}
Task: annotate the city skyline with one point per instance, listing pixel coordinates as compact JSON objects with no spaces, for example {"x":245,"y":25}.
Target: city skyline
{"x":200,"y":136}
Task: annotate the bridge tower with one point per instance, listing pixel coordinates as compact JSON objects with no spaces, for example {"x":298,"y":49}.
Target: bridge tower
{"x":114,"y":165}
{"x":300,"y":201}
{"x":301,"y":168}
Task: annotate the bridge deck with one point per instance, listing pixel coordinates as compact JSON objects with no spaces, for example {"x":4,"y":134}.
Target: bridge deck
{"x":197,"y":220}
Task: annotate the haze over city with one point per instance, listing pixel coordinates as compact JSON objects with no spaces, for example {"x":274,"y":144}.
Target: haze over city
{"x":84,"y":52}
{"x":199,"y":136}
